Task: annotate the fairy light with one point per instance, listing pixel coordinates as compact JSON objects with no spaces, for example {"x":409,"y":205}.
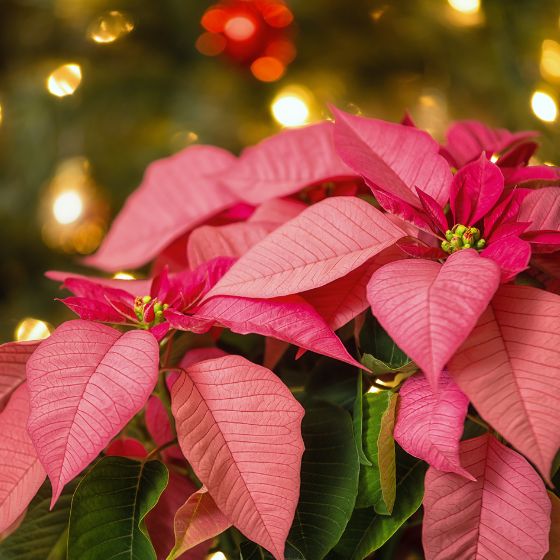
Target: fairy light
{"x":544,"y":106}
{"x":1,"y":114}
{"x":374,"y":389}
{"x":64,"y":80}
{"x":216,"y":556}
{"x":109,"y":27}
{"x":291,"y":106}
{"x":31,"y":329}
{"x":465,"y":6}
{"x":123,"y":276}
{"x":67,"y":207}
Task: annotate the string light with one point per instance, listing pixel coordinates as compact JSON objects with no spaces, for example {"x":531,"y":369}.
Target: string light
{"x":67,"y":207}
{"x":216,"y":556}
{"x":268,"y":68}
{"x":291,"y":107}
{"x":544,"y":106}
{"x":31,"y":329}
{"x":465,"y":6}
{"x":109,"y":27}
{"x":64,"y":80}
{"x":123,"y":276}
{"x":550,"y":60}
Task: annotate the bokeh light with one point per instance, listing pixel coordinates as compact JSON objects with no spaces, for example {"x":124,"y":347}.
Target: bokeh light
{"x":31,"y":329}
{"x":210,"y":44}
{"x":109,"y":27}
{"x":65,"y":80}
{"x":67,"y":207}
{"x":544,"y":106}
{"x":1,"y":114}
{"x":239,"y":28}
{"x":123,"y":276}
{"x":216,"y":556}
{"x":268,"y":69}
{"x":374,"y":389}
{"x":291,"y":107}
{"x":550,"y":60}
{"x":465,"y":6}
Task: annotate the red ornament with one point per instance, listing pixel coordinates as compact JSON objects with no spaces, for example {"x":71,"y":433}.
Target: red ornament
{"x":254,"y":33}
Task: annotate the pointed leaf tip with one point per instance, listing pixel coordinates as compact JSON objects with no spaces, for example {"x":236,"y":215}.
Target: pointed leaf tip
{"x":103,"y":377}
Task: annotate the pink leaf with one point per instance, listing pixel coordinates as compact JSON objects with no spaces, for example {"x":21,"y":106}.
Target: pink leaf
{"x":533,"y":175}
{"x":159,"y":428}
{"x":159,"y":521}
{"x":200,"y":354}
{"x":430,"y":309}
{"x":91,"y":310}
{"x":394,"y":157}
{"x":342,"y":300}
{"x":73,"y":282}
{"x":274,"y":351}
{"x":21,"y":473}
{"x":286,"y":163}
{"x":126,"y":447}
{"x":13,"y":357}
{"x":198,"y":520}
{"x":233,"y":240}
{"x":430,"y":425}
{"x":277,"y":211}
{"x":325,"y":242}
{"x":239,"y":428}
{"x":504,"y":514}
{"x":290,"y":319}
{"x":508,"y":367}
{"x":466,"y":140}
{"x":434,"y":211}
{"x":177,"y":193}
{"x":511,"y":254}
{"x":86,"y":381}
{"x":475,"y":190}
{"x":542,"y":209}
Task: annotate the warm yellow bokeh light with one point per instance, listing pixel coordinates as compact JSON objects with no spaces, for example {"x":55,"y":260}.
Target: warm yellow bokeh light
{"x":1,"y":115}
{"x":31,"y":329}
{"x":374,"y":389}
{"x":544,"y":106}
{"x":290,"y":107}
{"x":465,"y":6}
{"x":123,"y":276}
{"x":216,"y":556}
{"x":550,"y":60}
{"x":67,"y":207}
{"x":109,"y":27}
{"x":64,"y":80}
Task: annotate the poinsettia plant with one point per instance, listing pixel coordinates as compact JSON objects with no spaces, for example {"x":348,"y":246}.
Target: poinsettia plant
{"x":348,"y":341}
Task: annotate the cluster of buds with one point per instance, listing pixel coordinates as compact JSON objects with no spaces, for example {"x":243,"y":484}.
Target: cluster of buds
{"x":462,"y":237}
{"x":149,"y":311}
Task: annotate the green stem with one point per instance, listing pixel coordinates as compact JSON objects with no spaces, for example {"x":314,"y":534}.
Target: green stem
{"x":478,"y":421}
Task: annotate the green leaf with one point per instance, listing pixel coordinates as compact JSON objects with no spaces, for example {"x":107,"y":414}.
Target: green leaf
{"x":109,"y":507}
{"x":367,"y":530}
{"x":329,"y":480}
{"x":41,"y":536}
{"x":386,"y":458}
{"x":251,"y":551}
{"x":376,"y":485}
{"x":381,"y":354}
{"x":357,"y":421}
{"x":336,"y":385}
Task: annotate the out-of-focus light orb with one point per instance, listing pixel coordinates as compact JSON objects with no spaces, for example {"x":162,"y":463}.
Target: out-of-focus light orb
{"x":31,"y":329}
{"x":0,"y":114}
{"x":268,"y":68}
{"x":216,"y":556}
{"x":465,"y":6}
{"x":67,"y":207}
{"x":544,"y":106}
{"x":550,"y":60}
{"x":495,"y":158}
{"x":210,"y":44}
{"x":109,"y":27}
{"x":123,"y":276}
{"x":64,"y":80}
{"x":374,"y":389}
{"x":290,"y":109}
{"x":239,"y":28}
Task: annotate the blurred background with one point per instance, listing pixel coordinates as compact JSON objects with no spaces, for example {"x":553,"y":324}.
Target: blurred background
{"x":91,"y":91}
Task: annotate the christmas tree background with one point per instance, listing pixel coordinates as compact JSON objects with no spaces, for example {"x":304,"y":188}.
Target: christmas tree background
{"x":139,"y":89}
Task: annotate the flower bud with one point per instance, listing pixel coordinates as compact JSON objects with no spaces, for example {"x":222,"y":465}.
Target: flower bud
{"x":456,"y":243}
{"x":475,"y":233}
{"x":480,"y":244}
{"x":449,"y":235}
{"x":468,"y":238}
{"x":467,"y":246}
{"x":446,"y":246}
{"x":146,"y":299}
{"x":460,"y":229}
{"x":149,"y":313}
